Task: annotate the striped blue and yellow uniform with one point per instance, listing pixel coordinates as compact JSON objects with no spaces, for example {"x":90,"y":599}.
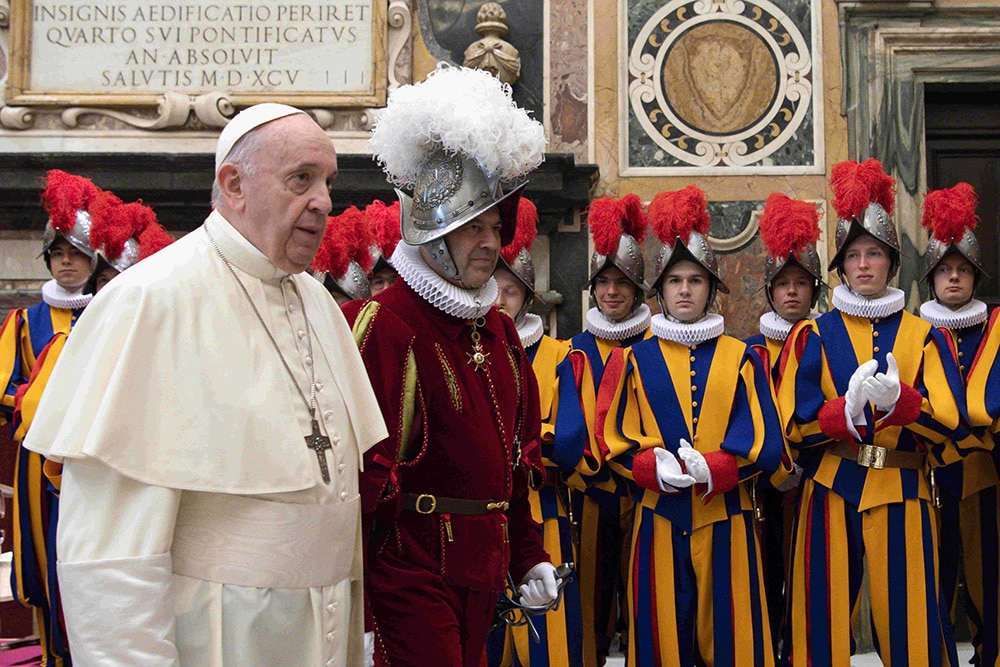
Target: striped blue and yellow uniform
{"x":561,"y":631}
{"x":603,"y":507}
{"x":983,"y":405}
{"x":696,"y":594}
{"x":26,"y":360}
{"x":848,"y":512}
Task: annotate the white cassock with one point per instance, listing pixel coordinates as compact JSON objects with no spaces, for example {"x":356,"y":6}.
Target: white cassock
{"x":195,"y":527}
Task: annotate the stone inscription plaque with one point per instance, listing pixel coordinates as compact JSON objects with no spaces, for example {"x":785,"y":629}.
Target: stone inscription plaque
{"x":306,"y":52}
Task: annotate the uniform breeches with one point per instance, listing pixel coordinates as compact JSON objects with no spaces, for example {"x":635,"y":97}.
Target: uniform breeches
{"x":561,"y":631}
{"x":696,"y":598}
{"x":603,"y":554}
{"x":36,"y":512}
{"x":899,"y":541}
{"x":423,"y":621}
{"x":970,"y":535}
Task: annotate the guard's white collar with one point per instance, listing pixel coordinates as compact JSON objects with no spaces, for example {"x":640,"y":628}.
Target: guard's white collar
{"x":449,"y":298}
{"x":847,"y":302}
{"x":968,"y":315}
{"x":530,"y":329}
{"x":633,"y":325}
{"x":693,"y":333}
{"x":776,"y":327}
{"x":57,"y":297}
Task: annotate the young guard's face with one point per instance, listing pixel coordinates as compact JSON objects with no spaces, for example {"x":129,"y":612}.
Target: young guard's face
{"x":69,"y":266}
{"x":614,"y":293}
{"x":866,"y":266}
{"x":954,"y":280}
{"x":685,"y":290}
{"x":512,"y":294}
{"x":792,"y":293}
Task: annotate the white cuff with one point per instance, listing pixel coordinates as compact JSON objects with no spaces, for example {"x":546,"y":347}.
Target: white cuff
{"x":120,"y":612}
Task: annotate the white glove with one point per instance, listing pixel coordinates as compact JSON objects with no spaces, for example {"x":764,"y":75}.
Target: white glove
{"x":695,"y":462}
{"x":855,"y":398}
{"x":540,"y":586}
{"x":792,"y":480}
{"x":669,"y":473}
{"x":883,"y":389}
{"x":369,"y":649}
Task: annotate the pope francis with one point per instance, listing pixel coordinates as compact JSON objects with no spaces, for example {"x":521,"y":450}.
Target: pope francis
{"x":211,"y":411}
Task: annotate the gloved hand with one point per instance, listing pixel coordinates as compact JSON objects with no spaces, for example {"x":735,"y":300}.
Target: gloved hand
{"x":696,"y":464}
{"x":883,"y":389}
{"x":669,"y":473}
{"x":792,"y":480}
{"x":539,"y":587}
{"x":855,"y":397}
{"x":369,"y":649}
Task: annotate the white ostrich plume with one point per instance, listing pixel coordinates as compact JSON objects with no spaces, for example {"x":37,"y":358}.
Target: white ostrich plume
{"x":463,"y":111}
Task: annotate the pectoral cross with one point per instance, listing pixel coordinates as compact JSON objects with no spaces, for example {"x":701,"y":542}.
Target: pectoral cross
{"x":320,"y":443}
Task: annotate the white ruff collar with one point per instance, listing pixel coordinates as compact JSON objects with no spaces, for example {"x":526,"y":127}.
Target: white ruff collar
{"x":859,"y":306}
{"x":776,"y":327}
{"x":464,"y":304}
{"x":692,"y":333}
{"x":968,"y":315}
{"x":57,"y":297}
{"x":632,"y":325}
{"x":530,"y":329}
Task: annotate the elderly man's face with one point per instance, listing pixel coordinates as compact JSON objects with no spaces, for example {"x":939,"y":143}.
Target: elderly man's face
{"x":286,"y":194}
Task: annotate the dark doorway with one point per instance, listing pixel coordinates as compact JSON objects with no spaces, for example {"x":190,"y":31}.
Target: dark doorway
{"x":963,"y":144}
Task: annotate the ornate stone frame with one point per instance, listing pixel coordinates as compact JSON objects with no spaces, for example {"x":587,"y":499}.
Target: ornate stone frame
{"x":175,"y":110}
{"x":889,"y":50}
{"x":747,"y":151}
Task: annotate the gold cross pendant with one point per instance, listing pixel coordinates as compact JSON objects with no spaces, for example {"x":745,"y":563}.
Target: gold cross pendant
{"x":477,"y":356}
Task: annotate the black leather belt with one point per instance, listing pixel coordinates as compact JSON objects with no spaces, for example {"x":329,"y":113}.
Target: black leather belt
{"x":426,"y":503}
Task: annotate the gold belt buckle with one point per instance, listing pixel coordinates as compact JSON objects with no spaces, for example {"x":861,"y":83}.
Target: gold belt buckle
{"x":422,"y":497}
{"x":872,"y":456}
{"x":503,"y":505}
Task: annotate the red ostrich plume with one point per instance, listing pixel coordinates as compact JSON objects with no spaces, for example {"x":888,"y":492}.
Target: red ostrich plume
{"x":361,"y":238}
{"x":524,"y":235}
{"x":857,"y":185}
{"x":634,"y":221}
{"x":111,"y":224}
{"x":788,"y":225}
{"x":678,"y":213}
{"x":152,"y":239}
{"x":948,"y":213}
{"x":609,"y":217}
{"x":384,"y":221}
{"x":64,"y":195}
{"x":336,"y":250}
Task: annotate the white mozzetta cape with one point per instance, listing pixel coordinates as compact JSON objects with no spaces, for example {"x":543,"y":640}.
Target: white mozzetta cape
{"x":188,"y":493}
{"x":170,"y":379}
